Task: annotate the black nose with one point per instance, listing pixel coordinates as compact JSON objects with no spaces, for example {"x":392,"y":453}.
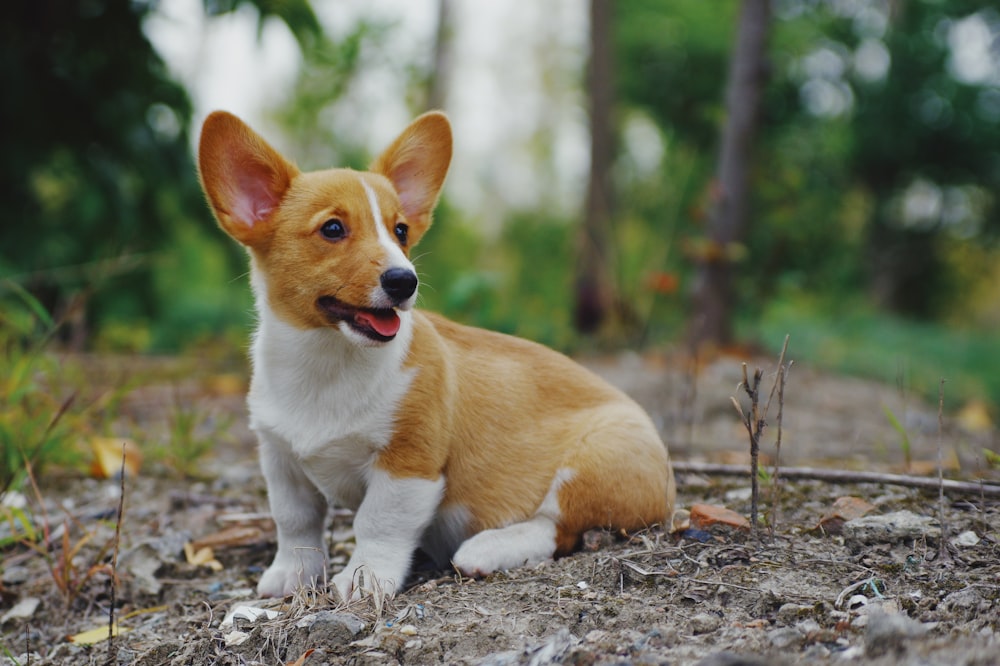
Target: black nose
{"x":399,"y":283}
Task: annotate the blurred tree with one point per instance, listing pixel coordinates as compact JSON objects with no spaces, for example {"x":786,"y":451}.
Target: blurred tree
{"x":927,"y":147}
{"x":712,"y":315}
{"x":878,"y":151}
{"x":594,"y":290}
{"x":441,"y":66}
{"x":96,"y":155}
{"x":96,"y":168}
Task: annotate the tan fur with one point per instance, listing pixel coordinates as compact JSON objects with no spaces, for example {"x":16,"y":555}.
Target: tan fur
{"x":499,"y":415}
{"x":495,"y":416}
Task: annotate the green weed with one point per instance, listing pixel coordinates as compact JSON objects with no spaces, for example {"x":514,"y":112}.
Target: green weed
{"x":193,"y":433}
{"x":36,"y":421}
{"x":904,"y":437}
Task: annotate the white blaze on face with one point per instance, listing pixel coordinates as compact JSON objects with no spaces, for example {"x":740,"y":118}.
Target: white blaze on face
{"x":396,"y":258}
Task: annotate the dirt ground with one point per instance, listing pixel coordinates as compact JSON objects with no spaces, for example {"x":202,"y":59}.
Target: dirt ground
{"x":797,"y":592}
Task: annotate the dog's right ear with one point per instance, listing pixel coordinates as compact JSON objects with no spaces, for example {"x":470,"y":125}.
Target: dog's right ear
{"x":243,"y":177}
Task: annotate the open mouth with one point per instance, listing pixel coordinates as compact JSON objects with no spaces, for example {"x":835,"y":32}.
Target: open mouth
{"x":378,"y":324}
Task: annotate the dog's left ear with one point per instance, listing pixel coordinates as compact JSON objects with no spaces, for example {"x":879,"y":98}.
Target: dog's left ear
{"x":416,"y":163}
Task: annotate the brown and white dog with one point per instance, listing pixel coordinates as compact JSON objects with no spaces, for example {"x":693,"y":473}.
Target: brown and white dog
{"x":484,"y":450}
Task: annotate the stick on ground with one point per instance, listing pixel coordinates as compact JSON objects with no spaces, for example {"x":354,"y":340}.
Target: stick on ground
{"x":847,"y":476}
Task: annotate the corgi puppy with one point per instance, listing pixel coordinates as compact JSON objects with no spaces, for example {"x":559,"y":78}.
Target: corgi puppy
{"x":486,"y":451}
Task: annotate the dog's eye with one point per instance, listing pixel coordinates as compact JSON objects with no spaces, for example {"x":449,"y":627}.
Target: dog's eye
{"x":333,"y":229}
{"x":402,"y":232}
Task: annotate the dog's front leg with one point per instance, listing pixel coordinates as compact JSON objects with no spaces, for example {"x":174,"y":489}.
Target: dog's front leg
{"x":299,"y":510}
{"x":388,"y":527}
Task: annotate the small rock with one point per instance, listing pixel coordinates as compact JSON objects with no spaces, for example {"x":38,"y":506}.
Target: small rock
{"x":966,"y":604}
{"x":857,"y":601}
{"x":22,"y":610}
{"x":966,"y":539}
{"x":785,"y":637}
{"x":733,"y":659}
{"x":334,"y":627}
{"x":896,"y":527}
{"x":808,"y":627}
{"x":717,"y":518}
{"x":739,"y":495}
{"x":247,"y":614}
{"x":705,"y":623}
{"x":142,"y":563}
{"x":789,"y":613}
{"x":15,"y":575}
{"x":887,"y":633}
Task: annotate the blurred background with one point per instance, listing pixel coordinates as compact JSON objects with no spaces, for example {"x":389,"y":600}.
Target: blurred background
{"x":652,"y":174}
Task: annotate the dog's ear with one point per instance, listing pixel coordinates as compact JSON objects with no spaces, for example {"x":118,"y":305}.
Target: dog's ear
{"x":416,"y":163}
{"x":243,"y":177}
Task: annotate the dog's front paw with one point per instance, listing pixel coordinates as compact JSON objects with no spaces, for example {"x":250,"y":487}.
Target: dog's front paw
{"x":287,"y":574}
{"x":356,"y":581}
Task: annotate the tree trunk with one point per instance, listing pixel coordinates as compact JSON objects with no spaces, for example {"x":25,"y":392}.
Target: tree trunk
{"x":440,"y":74}
{"x":594,"y":295}
{"x":730,"y":219}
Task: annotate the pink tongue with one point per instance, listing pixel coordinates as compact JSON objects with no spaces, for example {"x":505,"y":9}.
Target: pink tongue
{"x":385,"y":323}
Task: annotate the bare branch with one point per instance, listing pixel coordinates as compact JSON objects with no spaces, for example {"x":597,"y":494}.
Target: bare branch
{"x":847,"y":476}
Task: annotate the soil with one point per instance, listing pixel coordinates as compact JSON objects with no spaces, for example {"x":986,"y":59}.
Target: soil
{"x":799,"y":590}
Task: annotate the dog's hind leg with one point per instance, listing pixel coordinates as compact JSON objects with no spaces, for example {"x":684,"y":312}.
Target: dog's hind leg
{"x":528,"y":542}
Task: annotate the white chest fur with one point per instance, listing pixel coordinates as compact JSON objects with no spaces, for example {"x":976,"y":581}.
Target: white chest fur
{"x":329,"y":404}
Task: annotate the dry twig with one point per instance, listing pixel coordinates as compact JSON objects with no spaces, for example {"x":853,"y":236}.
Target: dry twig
{"x":942,"y":546}
{"x":755,"y":421}
{"x":847,"y":476}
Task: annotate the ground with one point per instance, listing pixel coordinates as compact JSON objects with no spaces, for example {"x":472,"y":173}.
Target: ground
{"x":801,"y":590}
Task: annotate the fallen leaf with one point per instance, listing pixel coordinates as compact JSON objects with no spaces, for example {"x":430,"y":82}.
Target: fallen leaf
{"x":107,"y":463}
{"x":225,"y":384}
{"x":843,"y":509}
{"x":203,"y":557}
{"x":708,"y":516}
{"x":975,"y":417}
{"x":96,"y":635}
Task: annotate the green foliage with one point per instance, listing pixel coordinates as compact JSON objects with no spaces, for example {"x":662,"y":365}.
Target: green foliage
{"x":98,"y":190}
{"x":671,"y":62}
{"x":856,"y":339}
{"x":36,"y":417}
{"x":192,"y":435}
{"x":904,"y":437}
{"x":97,"y":149}
{"x":830,"y":180}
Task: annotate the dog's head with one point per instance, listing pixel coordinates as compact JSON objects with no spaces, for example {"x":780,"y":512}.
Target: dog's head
{"x":331,"y":247}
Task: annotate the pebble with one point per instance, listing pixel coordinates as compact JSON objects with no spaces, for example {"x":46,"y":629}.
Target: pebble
{"x":790,"y":612}
{"x":785,"y":637}
{"x":705,"y":623}
{"x":887,"y":632}
{"x":966,"y":539}
{"x":336,"y":627}
{"x":247,"y":614}
{"x":896,"y":527}
{"x":15,"y":575}
{"x":733,"y":659}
